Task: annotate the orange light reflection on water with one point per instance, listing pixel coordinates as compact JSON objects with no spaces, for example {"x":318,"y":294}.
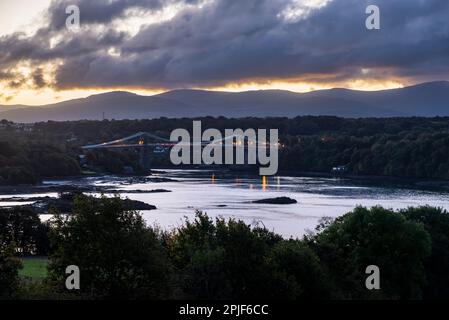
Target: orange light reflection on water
{"x":264,"y":183}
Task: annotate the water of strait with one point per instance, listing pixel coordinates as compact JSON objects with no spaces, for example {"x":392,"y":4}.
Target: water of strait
{"x":231,"y":195}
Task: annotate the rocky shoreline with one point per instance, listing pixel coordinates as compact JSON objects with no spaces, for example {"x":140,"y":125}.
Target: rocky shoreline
{"x":64,"y":203}
{"x":79,"y":185}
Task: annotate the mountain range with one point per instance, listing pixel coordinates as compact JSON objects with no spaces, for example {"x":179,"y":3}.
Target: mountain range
{"x":427,"y":99}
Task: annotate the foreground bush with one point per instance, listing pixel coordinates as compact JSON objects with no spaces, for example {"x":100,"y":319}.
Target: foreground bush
{"x":9,"y":271}
{"x":118,"y":256}
{"x":23,"y":227}
{"x":436,"y":222}
{"x":380,"y":237}
{"x":121,"y":258}
{"x":229,"y":259}
{"x":296,"y":273}
{"x":218,"y":260}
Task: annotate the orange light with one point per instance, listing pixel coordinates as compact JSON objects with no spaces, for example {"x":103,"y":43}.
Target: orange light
{"x":264,"y":183}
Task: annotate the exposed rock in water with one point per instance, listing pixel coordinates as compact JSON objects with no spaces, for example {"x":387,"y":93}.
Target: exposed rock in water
{"x":39,"y":189}
{"x":278,"y":200}
{"x":137,"y":205}
{"x":139,"y":191}
{"x":64,"y":203}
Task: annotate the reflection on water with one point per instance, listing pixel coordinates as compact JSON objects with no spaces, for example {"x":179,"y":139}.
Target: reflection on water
{"x":229,"y":195}
{"x":264,"y":183}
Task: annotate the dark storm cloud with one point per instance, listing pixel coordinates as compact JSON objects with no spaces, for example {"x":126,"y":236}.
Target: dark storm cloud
{"x":17,"y":47}
{"x":233,"y":40}
{"x":38,"y":78}
{"x":98,"y":11}
{"x":237,"y":40}
{"x":102,"y":11}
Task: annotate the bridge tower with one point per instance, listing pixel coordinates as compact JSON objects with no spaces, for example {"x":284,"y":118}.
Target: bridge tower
{"x":144,"y":154}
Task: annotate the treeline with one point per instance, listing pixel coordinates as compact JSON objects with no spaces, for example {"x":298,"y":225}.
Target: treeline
{"x":26,"y":159}
{"x":120,"y":257}
{"x":398,"y":147}
{"x":405,"y":155}
{"x":115,"y":162}
{"x":94,"y":131}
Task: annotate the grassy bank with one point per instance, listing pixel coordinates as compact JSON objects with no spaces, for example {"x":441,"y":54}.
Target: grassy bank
{"x":34,"y":268}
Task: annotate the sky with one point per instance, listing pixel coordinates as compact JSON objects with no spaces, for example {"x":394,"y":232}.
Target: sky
{"x":151,"y":46}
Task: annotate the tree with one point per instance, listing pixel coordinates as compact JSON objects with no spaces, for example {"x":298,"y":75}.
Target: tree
{"x":436,"y":222}
{"x":221,"y":259}
{"x":295,"y":272}
{"x":9,"y":271}
{"x":378,"y":237}
{"x":117,"y":254}
{"x":23,"y":227}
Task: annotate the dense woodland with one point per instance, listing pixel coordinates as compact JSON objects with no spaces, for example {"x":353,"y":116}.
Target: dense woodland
{"x":397,"y":147}
{"x":120,"y":257}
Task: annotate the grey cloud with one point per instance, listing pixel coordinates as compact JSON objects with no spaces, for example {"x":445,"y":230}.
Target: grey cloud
{"x":38,"y":78}
{"x":237,"y":40}
{"x":234,"y":40}
{"x":98,"y":11}
{"x":102,"y":11}
{"x":16,"y":48}
{"x":6,"y":75}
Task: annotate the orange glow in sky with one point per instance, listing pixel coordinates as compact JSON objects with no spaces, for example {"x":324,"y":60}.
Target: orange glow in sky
{"x":48,"y":95}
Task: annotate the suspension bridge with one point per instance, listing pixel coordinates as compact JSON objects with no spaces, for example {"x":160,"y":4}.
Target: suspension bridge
{"x":147,"y":142}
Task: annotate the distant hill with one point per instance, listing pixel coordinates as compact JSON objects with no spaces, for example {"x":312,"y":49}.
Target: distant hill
{"x":428,"y":99}
{"x":11,"y":107}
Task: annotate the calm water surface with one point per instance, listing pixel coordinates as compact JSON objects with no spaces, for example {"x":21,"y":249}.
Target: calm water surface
{"x":230,"y":195}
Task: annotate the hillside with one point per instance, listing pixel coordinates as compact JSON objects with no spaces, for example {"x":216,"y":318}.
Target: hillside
{"x":428,"y":99}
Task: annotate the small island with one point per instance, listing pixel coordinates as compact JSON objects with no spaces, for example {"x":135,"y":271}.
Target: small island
{"x":278,"y":200}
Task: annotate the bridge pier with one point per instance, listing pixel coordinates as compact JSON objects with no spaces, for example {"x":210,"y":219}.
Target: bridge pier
{"x":145,"y":157}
